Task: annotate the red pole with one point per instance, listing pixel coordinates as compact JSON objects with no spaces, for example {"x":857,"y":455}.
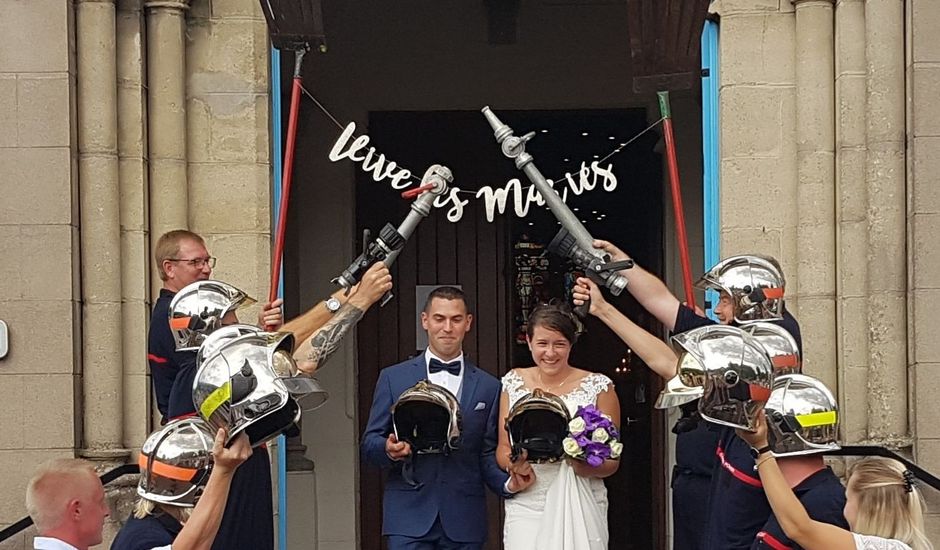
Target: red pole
{"x":287,"y":176}
{"x":681,"y":236}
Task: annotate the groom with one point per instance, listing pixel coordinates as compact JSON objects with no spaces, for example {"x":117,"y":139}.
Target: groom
{"x":447,"y":510}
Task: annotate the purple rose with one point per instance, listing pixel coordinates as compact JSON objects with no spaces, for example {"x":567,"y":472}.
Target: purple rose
{"x":601,"y":450}
{"x":594,"y":461}
{"x":583,"y":440}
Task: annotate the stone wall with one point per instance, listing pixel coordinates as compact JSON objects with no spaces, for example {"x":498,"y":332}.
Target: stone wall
{"x":51,"y":136}
{"x":923,"y":149}
{"x":39,"y":246}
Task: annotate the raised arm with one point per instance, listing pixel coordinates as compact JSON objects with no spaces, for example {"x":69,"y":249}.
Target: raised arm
{"x":647,"y":288}
{"x":304,"y":325}
{"x":315,"y":351}
{"x":653,"y":351}
{"x":199,"y":531}
{"x":790,"y":513}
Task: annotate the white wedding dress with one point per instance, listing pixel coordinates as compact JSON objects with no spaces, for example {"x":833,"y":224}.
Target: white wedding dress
{"x":561,"y":510}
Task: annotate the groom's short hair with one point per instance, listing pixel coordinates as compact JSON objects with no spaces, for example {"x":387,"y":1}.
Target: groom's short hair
{"x":447,"y":293}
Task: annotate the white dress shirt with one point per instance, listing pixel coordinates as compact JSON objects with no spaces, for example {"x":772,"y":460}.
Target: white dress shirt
{"x":444,"y":378}
{"x":48,"y":543}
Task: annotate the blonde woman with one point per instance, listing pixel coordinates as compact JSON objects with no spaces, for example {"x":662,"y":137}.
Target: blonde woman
{"x":883,"y":507}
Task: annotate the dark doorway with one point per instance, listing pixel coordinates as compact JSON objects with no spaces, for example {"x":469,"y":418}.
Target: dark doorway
{"x":491,"y":259}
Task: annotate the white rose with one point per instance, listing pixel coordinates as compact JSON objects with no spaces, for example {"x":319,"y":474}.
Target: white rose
{"x":616,"y":448}
{"x":600,"y":435}
{"x":571,"y":446}
{"x":576,"y":426}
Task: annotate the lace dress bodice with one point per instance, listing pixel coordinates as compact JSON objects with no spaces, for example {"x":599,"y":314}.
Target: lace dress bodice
{"x":560,"y":510}
{"x":586,"y":393}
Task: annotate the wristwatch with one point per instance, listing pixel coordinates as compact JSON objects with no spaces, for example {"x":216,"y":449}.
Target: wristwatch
{"x":757,"y":452}
{"x":332,"y":304}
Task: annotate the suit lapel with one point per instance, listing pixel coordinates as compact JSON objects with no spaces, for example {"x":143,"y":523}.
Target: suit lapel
{"x":419,"y":370}
{"x":468,"y":388}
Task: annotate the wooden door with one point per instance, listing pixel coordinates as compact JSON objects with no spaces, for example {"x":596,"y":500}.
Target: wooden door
{"x":477,"y":255}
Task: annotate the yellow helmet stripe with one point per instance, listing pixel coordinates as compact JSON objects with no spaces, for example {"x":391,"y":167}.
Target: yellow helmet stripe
{"x":813,"y":420}
{"x":215,"y":400}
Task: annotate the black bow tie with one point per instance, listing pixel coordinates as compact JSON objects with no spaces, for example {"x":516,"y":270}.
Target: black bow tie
{"x":436,"y":365}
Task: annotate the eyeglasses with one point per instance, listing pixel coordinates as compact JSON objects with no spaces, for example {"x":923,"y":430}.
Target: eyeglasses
{"x":198,"y":263}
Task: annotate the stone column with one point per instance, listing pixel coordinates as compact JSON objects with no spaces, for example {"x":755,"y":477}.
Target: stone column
{"x":887,"y":260}
{"x":759,"y":191}
{"x":852,"y":218}
{"x":135,"y":247}
{"x":815,"y":153}
{"x":923,"y":139}
{"x":166,"y":81}
{"x":102,"y":375}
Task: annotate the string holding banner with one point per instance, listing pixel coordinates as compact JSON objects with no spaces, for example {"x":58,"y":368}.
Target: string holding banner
{"x":588,"y":177}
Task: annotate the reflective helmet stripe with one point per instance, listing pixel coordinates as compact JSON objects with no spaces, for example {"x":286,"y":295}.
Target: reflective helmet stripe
{"x":215,"y":399}
{"x":166,"y":470}
{"x":179,"y":323}
{"x":783,"y":361}
{"x":773,"y":293}
{"x":812,"y":420}
{"x":759,"y":393}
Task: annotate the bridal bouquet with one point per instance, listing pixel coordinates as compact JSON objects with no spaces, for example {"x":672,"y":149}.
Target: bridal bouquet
{"x":593,"y":437}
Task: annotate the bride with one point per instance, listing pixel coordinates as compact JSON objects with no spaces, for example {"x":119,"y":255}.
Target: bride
{"x":566,"y":507}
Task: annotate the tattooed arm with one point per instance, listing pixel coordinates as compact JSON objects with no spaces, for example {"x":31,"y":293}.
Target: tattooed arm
{"x":315,"y":351}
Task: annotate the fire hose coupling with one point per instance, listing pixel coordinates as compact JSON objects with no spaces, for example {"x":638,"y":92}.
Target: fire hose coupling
{"x":573,"y":240}
{"x":392,"y":239}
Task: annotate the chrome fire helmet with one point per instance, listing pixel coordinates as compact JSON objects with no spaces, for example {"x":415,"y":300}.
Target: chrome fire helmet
{"x":802,"y":416}
{"x":737,"y":374}
{"x":538,"y":423}
{"x":305,"y":389}
{"x":678,"y":392}
{"x":755,"y":284}
{"x":240,"y":386}
{"x":427,"y":416}
{"x":175,"y":463}
{"x":780,"y":346}
{"x":198,"y":309}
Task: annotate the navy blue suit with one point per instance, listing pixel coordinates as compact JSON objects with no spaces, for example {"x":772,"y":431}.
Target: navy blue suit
{"x":450,"y":487}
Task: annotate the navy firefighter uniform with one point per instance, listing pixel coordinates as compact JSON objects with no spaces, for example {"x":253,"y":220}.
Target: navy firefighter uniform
{"x":247,"y":521}
{"x":698,"y":460}
{"x":823,"y":497}
{"x":156,"y":531}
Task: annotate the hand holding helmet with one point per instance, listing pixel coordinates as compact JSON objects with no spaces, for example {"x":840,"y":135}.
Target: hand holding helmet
{"x":521,"y":474}
{"x":395,"y":449}
{"x":227,"y":459}
{"x":757,"y":439}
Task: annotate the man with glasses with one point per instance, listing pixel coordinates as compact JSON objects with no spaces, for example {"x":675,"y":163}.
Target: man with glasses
{"x":182,"y":259}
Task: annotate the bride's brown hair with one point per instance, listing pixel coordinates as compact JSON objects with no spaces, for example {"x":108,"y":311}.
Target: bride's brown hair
{"x":557,"y":317}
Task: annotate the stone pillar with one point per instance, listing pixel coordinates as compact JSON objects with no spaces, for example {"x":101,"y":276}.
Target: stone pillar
{"x":852,"y":218}
{"x":758,"y":134}
{"x":924,"y":226}
{"x":166,"y":83}
{"x":102,"y":375}
{"x":135,"y":246}
{"x":40,"y":296}
{"x":815,"y":143}
{"x":887,"y":208}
